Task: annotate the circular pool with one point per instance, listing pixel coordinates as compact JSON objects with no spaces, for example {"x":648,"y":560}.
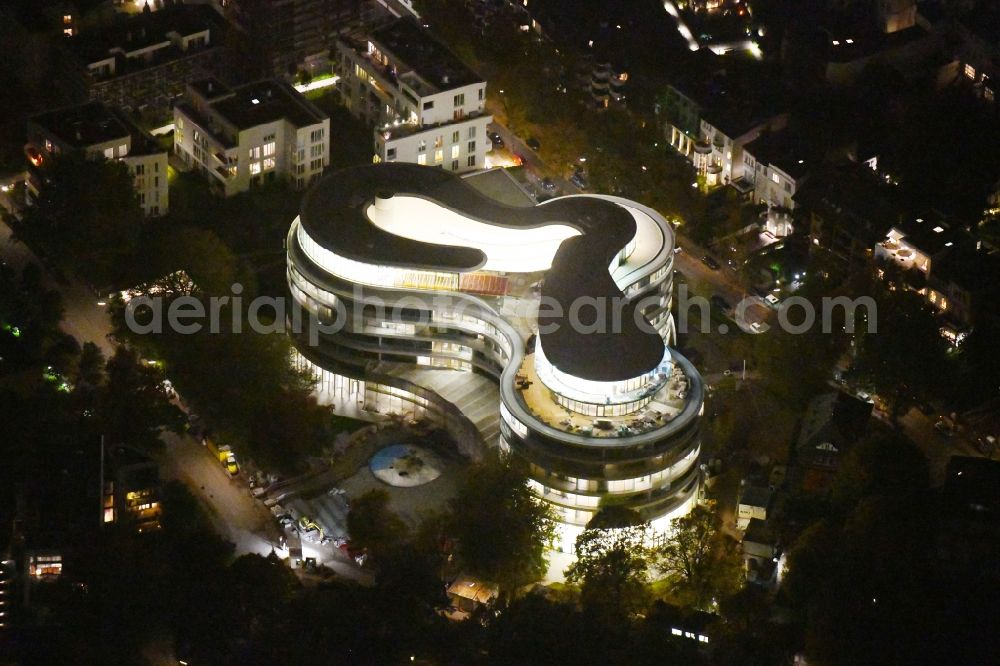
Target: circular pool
{"x":405,"y":465}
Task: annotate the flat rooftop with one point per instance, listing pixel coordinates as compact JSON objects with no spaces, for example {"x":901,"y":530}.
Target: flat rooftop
{"x":83,"y":125}
{"x":335,"y":213}
{"x":142,"y":30}
{"x":429,"y":59}
{"x":265,"y":102}
{"x":784,"y":150}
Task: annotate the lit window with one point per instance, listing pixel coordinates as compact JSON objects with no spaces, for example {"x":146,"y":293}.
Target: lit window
{"x":454,"y":152}
{"x":254,"y":168}
{"x":938,"y":229}
{"x":438,"y":156}
{"x":268,"y":163}
{"x":774,"y":177}
{"x":422,"y":158}
{"x":269,"y":149}
{"x":109,"y":153}
{"x":676,"y":632}
{"x":255,"y":153}
{"x":970,"y":72}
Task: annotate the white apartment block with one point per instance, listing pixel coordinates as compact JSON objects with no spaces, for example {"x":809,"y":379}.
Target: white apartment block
{"x":98,"y":131}
{"x":242,"y":137}
{"x":726,"y":135}
{"x":772,"y":165}
{"x":426,"y":105}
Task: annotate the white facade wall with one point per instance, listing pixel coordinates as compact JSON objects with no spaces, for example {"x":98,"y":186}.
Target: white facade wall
{"x":148,"y":170}
{"x":772,"y":186}
{"x":458,"y":147}
{"x":149,"y":173}
{"x":399,"y":110}
{"x":261,"y":152}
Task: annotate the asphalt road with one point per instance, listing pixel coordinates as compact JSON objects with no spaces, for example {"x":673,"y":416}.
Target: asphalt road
{"x":84,"y":319}
{"x":236,"y":514}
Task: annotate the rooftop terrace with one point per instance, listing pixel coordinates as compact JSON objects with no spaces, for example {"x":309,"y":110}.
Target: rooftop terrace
{"x":431,"y":60}
{"x":665,"y":406}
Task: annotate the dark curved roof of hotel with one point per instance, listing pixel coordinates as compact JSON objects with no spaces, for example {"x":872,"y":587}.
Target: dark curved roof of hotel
{"x":334,"y":214}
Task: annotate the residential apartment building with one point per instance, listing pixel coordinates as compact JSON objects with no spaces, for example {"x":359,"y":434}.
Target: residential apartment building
{"x":37,"y":28}
{"x":726,"y":134}
{"x":848,"y":209}
{"x":426,"y":105}
{"x":8,"y":574}
{"x":710,"y":113}
{"x":143,"y":62}
{"x":241,"y":137}
{"x":603,"y":80}
{"x":979,"y":51}
{"x":99,"y":131}
{"x":946,"y":265}
{"x":754,"y":502}
{"x":775,"y":166}
{"x":296,"y":35}
{"x":132,"y":490}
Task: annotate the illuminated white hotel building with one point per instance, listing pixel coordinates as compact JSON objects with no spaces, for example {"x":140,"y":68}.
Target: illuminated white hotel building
{"x":421,"y":269}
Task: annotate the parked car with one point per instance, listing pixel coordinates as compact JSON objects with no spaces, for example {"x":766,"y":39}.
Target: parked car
{"x":496,"y":139}
{"x":772,"y":300}
{"x":548,"y":185}
{"x":710,"y":262}
{"x":533,"y":143}
{"x":578,"y":181}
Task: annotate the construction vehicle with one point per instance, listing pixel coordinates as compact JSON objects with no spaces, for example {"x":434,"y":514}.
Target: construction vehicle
{"x":308,"y":525}
{"x":224,"y":454}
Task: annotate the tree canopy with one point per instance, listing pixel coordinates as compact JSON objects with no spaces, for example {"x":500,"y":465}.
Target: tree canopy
{"x":698,"y":560}
{"x":612,"y":566}
{"x":900,"y":352}
{"x":501,"y":527}
{"x":87,"y":218}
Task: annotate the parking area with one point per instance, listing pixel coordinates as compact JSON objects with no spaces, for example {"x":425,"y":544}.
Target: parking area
{"x":316,"y":508}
